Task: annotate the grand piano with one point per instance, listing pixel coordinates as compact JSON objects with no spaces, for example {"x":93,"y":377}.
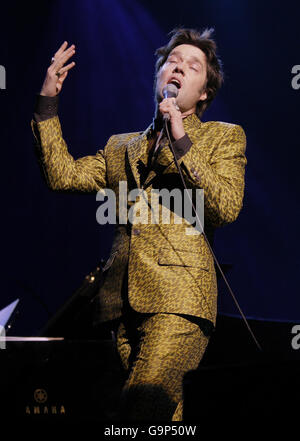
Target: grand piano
{"x":70,"y":372}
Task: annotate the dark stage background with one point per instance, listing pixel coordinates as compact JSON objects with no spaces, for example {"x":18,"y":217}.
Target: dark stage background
{"x":51,"y":241}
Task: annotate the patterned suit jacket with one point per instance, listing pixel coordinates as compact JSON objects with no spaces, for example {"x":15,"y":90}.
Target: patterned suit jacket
{"x":168,"y":270}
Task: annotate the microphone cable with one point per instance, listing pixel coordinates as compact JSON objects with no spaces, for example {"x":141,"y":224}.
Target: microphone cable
{"x":207,"y":241}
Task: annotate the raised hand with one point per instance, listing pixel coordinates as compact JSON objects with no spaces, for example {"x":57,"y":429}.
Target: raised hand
{"x":57,"y":72}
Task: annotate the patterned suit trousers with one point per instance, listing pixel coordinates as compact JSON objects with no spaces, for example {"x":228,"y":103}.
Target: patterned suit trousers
{"x":156,"y":351}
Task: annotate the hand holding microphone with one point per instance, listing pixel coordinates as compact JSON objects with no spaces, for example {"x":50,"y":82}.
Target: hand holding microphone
{"x":170,"y":91}
{"x":171,"y":112}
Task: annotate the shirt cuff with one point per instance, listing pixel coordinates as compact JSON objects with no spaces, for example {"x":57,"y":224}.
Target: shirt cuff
{"x":45,"y":107}
{"x":182,"y":146}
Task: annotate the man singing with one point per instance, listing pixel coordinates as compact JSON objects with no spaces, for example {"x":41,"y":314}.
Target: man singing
{"x":160,"y":290}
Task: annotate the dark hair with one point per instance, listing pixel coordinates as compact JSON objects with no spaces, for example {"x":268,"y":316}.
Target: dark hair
{"x":203,"y":41}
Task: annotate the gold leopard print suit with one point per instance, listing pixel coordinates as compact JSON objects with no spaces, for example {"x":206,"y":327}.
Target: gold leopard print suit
{"x":164,"y":272}
{"x":169,"y":271}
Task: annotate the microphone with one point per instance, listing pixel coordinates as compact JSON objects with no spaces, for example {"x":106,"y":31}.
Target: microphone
{"x":169,"y":91}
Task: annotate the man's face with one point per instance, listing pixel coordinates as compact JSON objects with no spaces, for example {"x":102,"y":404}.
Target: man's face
{"x":185,"y":66}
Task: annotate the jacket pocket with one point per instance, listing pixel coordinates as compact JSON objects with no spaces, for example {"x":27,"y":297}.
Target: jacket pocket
{"x":179,"y":257}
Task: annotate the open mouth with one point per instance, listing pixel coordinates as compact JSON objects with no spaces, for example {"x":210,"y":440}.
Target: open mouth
{"x":175,"y":82}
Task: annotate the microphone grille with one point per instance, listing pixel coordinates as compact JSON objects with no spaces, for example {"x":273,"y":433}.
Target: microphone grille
{"x":170,"y":91}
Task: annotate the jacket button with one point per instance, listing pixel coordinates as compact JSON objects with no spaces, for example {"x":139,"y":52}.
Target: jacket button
{"x":136,"y":231}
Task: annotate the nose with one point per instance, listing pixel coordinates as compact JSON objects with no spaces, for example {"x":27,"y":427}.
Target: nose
{"x":178,"y":69}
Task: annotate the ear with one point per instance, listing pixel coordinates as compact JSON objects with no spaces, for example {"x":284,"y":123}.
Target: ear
{"x":203,"y":96}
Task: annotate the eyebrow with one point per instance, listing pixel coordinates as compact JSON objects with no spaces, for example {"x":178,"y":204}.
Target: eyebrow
{"x":193,"y":58}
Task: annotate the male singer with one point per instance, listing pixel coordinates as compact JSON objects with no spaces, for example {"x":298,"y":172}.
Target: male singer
{"x":160,"y":289}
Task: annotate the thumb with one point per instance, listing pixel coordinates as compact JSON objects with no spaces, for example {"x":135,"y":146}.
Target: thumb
{"x":60,"y":81}
{"x":62,"y":77}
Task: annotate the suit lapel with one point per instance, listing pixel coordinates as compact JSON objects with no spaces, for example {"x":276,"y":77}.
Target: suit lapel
{"x":165,"y":156}
{"x":137,"y":150}
{"x":163,"y":160}
{"x":137,"y":154}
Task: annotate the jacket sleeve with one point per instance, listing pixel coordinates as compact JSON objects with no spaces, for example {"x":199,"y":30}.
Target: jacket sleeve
{"x":222,"y":178}
{"x":61,"y":171}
